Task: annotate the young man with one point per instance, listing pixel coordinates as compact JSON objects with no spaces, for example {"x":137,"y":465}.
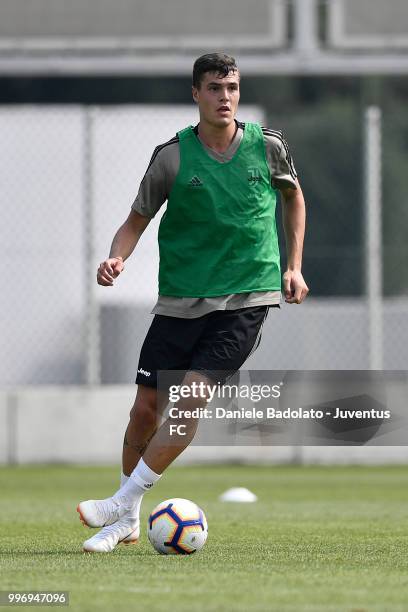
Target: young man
{"x":219,"y":273}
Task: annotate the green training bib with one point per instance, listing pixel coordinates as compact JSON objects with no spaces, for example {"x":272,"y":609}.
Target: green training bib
{"x":218,"y":235}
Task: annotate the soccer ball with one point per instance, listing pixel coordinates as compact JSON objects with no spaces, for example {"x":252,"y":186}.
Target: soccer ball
{"x":177,"y":527}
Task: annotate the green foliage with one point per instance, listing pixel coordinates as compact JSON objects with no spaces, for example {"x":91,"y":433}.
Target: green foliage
{"x":326,"y":147}
{"x":395,"y":195}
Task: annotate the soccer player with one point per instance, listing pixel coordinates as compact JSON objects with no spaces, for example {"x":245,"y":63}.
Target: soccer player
{"x":219,"y":273}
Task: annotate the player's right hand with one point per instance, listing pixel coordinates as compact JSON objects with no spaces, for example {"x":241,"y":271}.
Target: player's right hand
{"x":109,"y":270}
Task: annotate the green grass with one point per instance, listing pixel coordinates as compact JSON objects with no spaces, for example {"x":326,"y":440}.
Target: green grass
{"x":319,"y":539}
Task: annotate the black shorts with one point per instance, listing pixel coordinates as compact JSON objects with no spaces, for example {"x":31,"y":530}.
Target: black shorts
{"x":216,"y":344}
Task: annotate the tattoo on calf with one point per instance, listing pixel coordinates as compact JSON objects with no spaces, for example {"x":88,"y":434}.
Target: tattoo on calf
{"x":140,"y":448}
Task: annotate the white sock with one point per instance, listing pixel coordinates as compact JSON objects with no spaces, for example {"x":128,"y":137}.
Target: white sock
{"x":135,"y":509}
{"x":141,"y":480}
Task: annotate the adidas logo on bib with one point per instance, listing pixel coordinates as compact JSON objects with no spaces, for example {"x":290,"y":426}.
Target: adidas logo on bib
{"x":195,"y":182}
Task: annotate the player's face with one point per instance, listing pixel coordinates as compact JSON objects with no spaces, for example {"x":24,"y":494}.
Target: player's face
{"x":217,"y":98}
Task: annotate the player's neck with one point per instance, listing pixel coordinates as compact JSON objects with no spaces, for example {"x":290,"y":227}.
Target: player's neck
{"x":217,"y":138}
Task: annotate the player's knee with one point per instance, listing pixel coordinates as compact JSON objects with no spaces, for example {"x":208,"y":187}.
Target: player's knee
{"x":144,"y":409}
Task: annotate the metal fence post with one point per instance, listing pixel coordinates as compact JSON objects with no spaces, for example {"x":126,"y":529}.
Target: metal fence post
{"x":373,"y":235}
{"x":92,"y":324}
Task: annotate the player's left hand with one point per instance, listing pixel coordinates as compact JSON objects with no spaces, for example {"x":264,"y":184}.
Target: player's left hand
{"x":294,"y":287}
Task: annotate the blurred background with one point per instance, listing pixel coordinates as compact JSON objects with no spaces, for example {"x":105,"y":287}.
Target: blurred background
{"x":88,"y":88}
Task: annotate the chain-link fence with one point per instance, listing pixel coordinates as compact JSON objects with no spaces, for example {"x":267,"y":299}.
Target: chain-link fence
{"x":68,"y":176}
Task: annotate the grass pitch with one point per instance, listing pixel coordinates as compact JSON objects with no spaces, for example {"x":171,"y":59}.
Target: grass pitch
{"x":319,"y":539}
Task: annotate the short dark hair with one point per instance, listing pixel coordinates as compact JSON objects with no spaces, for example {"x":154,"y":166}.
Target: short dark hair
{"x":213,"y":62}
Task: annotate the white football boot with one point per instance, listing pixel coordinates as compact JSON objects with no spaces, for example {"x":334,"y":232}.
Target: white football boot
{"x":102,"y":512}
{"x":126,"y":530}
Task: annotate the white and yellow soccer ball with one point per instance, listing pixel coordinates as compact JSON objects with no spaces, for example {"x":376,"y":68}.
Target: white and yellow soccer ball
{"x":177,"y":527}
